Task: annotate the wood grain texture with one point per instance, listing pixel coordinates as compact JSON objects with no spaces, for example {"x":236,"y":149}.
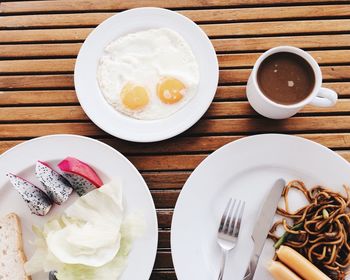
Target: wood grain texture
{"x":264,"y":43}
{"x":203,"y":144}
{"x":296,"y":124}
{"x":40,"y":40}
{"x":203,"y":127}
{"x":163,"y":275}
{"x":212,"y":30}
{"x":221,"y":45}
{"x":227,"y":76}
{"x":225,"y":61}
{"x":41,"y":50}
{"x":67,"y":97}
{"x":38,"y":97}
{"x":212,"y":15}
{"x":216,"y":110}
{"x":86,"y":5}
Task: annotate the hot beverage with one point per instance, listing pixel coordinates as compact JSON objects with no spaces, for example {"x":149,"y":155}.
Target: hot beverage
{"x":286,"y":78}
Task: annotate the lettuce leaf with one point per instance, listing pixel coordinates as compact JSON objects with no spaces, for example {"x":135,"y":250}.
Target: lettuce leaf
{"x":43,"y":260}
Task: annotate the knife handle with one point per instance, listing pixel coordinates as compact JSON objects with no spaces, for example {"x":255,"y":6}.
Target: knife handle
{"x":253,"y":263}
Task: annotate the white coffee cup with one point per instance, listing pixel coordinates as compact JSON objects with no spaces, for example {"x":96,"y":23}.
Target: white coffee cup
{"x":320,"y":97}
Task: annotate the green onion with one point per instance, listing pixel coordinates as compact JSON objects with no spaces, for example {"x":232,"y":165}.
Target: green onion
{"x":285,"y":235}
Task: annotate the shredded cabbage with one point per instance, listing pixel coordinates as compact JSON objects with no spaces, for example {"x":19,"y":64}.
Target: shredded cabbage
{"x":43,"y":259}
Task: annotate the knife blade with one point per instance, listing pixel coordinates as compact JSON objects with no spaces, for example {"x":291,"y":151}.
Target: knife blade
{"x":263,"y":225}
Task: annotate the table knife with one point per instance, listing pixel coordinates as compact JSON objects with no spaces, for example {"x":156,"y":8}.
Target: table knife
{"x":263,"y":225}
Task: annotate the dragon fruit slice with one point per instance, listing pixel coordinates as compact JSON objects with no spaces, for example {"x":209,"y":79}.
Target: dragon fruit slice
{"x":38,"y":202}
{"x":82,"y":177}
{"x":81,"y":185}
{"x":56,"y":186}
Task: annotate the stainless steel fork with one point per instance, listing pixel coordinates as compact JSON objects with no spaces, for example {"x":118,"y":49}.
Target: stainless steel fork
{"x":228,"y":231}
{"x":52,"y":275}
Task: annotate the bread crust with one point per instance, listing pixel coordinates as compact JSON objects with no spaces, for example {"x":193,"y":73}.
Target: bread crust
{"x":19,"y":243}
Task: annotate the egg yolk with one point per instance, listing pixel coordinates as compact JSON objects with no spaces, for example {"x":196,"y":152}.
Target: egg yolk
{"x":170,"y":90}
{"x":134,"y":97}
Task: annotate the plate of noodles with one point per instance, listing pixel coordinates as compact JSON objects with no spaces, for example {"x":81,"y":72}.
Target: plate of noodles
{"x":312,"y":219}
{"x":319,"y":231}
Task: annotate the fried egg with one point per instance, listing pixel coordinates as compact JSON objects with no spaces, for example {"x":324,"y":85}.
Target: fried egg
{"x":149,"y":74}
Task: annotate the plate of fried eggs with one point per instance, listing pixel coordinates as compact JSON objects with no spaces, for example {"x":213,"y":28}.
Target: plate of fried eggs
{"x":146,"y":74}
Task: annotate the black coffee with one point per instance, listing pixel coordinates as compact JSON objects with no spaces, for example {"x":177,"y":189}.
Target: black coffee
{"x":286,"y":78}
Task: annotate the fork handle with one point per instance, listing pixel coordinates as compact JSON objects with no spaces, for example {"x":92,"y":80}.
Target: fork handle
{"x":223,"y":264}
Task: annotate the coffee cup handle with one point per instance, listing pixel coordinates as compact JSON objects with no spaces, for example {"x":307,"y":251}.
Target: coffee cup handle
{"x":325,"y":98}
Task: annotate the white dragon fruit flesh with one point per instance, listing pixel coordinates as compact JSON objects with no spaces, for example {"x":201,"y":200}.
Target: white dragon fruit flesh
{"x":81,"y":176}
{"x":56,"y":186}
{"x":81,"y":185}
{"x":38,"y":202}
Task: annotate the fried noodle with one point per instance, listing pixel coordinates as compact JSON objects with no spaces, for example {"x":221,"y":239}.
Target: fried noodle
{"x":320,"y":230}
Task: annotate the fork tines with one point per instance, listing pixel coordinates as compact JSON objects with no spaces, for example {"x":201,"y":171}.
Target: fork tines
{"x":231,"y":219}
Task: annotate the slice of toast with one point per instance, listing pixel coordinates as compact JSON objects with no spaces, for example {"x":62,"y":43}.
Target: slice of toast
{"x":12,"y":257}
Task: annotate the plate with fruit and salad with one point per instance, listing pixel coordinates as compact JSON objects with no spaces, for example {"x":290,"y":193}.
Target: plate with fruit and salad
{"x":76,"y":208}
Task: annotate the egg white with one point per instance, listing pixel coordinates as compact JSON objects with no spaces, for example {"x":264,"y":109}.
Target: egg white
{"x":143,"y":58}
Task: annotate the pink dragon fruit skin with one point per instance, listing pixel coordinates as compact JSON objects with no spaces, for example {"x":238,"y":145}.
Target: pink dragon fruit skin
{"x":38,"y":202}
{"x":82,"y":177}
{"x":56,"y":186}
{"x":75,"y":166}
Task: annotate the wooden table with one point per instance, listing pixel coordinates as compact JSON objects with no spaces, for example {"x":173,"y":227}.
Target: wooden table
{"x":39,"y":41}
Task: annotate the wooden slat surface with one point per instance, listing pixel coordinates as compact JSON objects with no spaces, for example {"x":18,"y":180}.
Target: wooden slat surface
{"x":86,"y":5}
{"x":39,"y":42}
{"x":67,"y":97}
{"x":225,"y":61}
{"x":212,"y":15}
{"x":221,"y":45}
{"x":213,"y":30}
{"x":227,"y":76}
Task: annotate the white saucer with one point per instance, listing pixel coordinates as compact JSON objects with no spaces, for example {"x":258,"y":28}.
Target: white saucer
{"x":119,"y":125}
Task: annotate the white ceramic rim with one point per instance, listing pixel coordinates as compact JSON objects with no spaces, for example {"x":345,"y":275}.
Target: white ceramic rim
{"x":312,"y":62}
{"x":112,"y":152}
{"x":124,"y":127}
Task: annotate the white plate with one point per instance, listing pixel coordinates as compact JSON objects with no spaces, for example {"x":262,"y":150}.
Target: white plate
{"x":108,"y":163}
{"x":244,"y":169}
{"x":119,"y":125}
